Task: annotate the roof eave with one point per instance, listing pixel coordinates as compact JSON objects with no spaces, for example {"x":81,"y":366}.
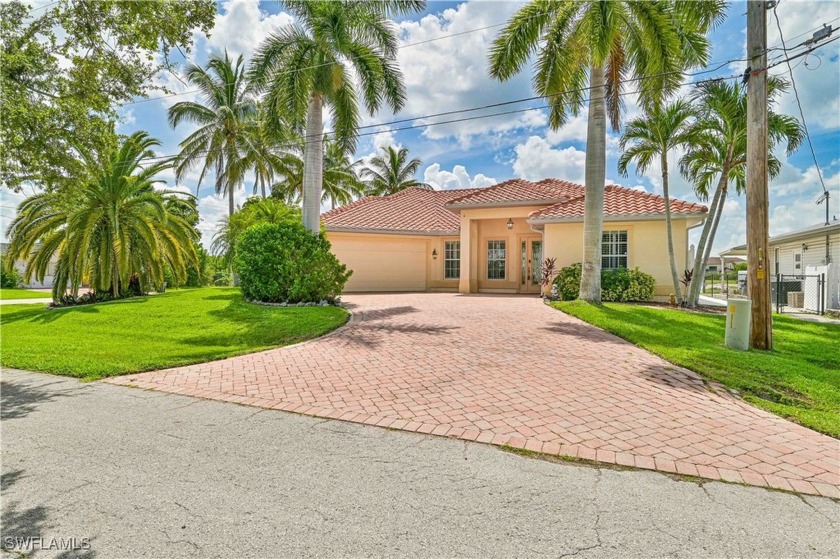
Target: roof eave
{"x":371,"y":230}
{"x":621,"y":217}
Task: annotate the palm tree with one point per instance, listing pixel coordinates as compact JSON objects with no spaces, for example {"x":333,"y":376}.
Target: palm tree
{"x":253,"y":211}
{"x":606,"y":43}
{"x":650,"y":137}
{"x":222,"y":120}
{"x":307,"y":65}
{"x":119,"y":227}
{"x":268,"y":150}
{"x":390,"y":172}
{"x":718,"y":153}
{"x":341,"y":183}
{"x":341,"y":180}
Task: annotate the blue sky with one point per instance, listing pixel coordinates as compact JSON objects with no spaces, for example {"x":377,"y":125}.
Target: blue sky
{"x":445,"y":74}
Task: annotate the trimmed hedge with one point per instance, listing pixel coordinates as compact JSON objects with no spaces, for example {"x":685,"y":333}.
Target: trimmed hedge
{"x":285,"y":263}
{"x":617,"y":285}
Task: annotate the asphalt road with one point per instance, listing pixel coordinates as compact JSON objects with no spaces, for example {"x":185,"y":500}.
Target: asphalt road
{"x":132,"y":473}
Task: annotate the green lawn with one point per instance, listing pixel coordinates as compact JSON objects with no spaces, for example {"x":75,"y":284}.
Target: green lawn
{"x":8,"y":294}
{"x":799,"y":379}
{"x":154,"y":332}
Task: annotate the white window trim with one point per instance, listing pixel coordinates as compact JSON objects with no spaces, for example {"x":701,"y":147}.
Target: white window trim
{"x":445,"y":260}
{"x":626,"y":255}
{"x":505,"y":261}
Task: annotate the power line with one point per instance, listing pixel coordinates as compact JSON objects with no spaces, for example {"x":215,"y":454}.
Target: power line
{"x":408,"y":45}
{"x":451,"y":121}
{"x":799,"y":103}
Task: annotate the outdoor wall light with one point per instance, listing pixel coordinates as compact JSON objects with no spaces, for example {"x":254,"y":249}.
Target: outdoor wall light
{"x":510,"y":223}
{"x":434,"y":254}
{"x":804,"y":246}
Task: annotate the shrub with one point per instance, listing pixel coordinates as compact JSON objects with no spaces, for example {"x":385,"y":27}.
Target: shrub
{"x":284,"y":262}
{"x":622,"y":284}
{"x":617,"y":285}
{"x":9,"y":277}
{"x":568,"y":282}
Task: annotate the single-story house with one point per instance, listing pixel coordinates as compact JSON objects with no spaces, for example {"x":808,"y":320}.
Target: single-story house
{"x":810,"y":252}
{"x":20,"y":266}
{"x":494,"y":239}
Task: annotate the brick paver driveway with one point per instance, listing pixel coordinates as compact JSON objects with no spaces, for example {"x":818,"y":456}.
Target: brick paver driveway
{"x":510,"y":370}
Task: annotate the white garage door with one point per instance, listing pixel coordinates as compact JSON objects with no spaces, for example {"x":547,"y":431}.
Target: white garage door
{"x":383,"y":264}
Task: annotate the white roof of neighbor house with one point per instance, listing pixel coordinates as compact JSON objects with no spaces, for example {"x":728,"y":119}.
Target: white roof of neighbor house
{"x":812,"y":232}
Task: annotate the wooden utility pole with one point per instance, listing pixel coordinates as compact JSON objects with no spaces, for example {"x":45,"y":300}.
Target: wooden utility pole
{"x":758,"y":259}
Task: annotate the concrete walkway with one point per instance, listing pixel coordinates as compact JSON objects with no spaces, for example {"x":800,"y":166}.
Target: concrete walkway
{"x":43,"y":301}
{"x":513,"y":371}
{"x":149,"y":474}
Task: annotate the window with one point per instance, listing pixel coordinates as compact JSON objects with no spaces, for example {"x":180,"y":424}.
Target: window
{"x":776,"y":260}
{"x":496,"y":260}
{"x":614,"y":249}
{"x":797,"y":261}
{"x":451,"y":259}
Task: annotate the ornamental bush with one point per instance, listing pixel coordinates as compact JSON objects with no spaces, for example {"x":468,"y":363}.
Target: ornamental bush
{"x":568,"y":282}
{"x":617,"y":285}
{"x":285,"y":263}
{"x":9,"y":277}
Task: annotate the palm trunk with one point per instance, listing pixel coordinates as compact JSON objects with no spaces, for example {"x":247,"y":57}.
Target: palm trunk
{"x":674,"y":277}
{"x":230,"y":200}
{"x":262,"y":185}
{"x":313,"y":167}
{"x":711,"y":240}
{"x":596,"y":169}
{"x":700,"y":251}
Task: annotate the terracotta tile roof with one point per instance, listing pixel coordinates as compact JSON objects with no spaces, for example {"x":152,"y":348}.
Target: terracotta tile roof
{"x":519,"y":192}
{"x":618,"y":201}
{"x":413,"y":210}
{"x":417,"y":210}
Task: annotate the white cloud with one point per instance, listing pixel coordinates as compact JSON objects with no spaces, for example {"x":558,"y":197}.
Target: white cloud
{"x":536,"y":159}
{"x":242,"y":27}
{"x":452,"y":73}
{"x":457,"y":178}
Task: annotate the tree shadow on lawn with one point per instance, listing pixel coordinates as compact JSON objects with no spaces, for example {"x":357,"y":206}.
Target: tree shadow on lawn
{"x":46,"y":315}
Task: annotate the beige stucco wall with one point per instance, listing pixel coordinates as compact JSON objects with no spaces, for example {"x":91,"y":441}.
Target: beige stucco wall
{"x":478,"y":226}
{"x":392,"y":262}
{"x":647,"y":247}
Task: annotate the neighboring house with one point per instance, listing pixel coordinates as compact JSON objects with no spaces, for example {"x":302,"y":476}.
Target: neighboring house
{"x":728,"y":263}
{"x":494,"y":239}
{"x":810,"y":251}
{"x":20,"y":266}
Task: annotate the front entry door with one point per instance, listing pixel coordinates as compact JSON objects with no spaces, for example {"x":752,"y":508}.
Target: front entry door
{"x":530,"y":269}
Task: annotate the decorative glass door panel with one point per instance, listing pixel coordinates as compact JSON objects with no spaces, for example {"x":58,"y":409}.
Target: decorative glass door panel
{"x":536,"y":259}
{"x":530,"y":268}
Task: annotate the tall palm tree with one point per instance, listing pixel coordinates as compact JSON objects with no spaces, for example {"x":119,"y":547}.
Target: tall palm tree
{"x":309,"y":64}
{"x":604,"y":43}
{"x":390,"y":172}
{"x":222,"y":119}
{"x":652,"y":137}
{"x":119,"y":227}
{"x":717,"y":154}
